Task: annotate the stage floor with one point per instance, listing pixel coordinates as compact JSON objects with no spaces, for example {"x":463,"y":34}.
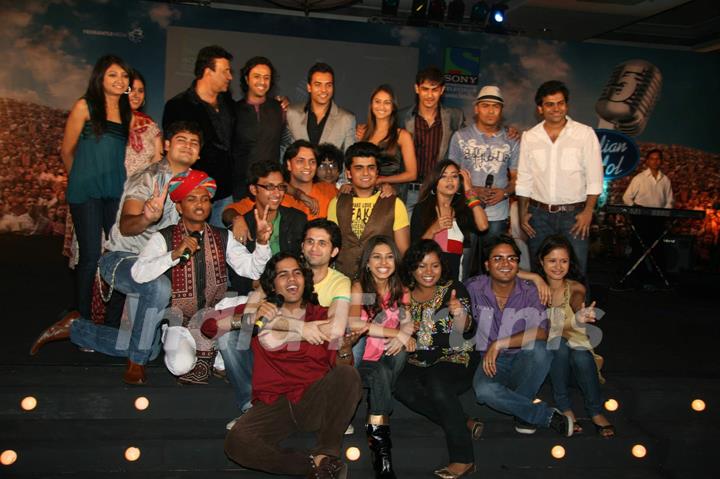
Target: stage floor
{"x":659,"y":351}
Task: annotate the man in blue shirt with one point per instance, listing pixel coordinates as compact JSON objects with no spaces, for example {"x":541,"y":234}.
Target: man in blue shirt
{"x":511,"y":335}
{"x":491,"y":156}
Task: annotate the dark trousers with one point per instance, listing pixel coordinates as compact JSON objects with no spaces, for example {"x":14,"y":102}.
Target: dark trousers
{"x":326,"y":408}
{"x":90,"y":219}
{"x":379,"y":378}
{"x":434,"y":392}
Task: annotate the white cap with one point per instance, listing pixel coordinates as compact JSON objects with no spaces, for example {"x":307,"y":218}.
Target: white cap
{"x":490,"y":93}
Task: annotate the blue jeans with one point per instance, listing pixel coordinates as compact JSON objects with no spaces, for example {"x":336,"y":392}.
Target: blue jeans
{"x":218,"y":207}
{"x":235,"y":349}
{"x":584,"y":372}
{"x":516,"y":383}
{"x":147,"y":305}
{"x":473,"y":259}
{"x":90,"y":219}
{"x":545,"y":224}
{"x":379,"y":378}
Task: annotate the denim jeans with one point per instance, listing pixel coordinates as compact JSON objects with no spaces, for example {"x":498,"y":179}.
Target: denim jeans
{"x":218,"y":207}
{"x":237,"y":355}
{"x":584,"y":372}
{"x":147,"y":304}
{"x":379,"y":378}
{"x":516,"y":383}
{"x":545,"y":224}
{"x":472,"y":263}
{"x":90,"y":219}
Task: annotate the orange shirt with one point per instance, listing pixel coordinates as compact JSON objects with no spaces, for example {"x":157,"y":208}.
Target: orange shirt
{"x":323,"y":192}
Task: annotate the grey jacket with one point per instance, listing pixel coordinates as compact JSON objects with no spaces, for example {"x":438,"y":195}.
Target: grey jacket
{"x":339,"y":128}
{"x":452,"y":120}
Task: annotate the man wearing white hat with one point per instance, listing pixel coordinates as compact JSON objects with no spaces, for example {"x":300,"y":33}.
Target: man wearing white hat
{"x":491,"y":158}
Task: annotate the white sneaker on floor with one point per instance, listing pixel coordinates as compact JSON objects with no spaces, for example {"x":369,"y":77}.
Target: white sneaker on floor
{"x":350,"y":430}
{"x":231,"y":424}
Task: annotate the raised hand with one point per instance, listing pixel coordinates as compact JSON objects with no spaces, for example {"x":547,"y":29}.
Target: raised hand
{"x":586,"y":315}
{"x":467,"y":181}
{"x":153,"y":207}
{"x":264,"y":227}
{"x":454,"y":304}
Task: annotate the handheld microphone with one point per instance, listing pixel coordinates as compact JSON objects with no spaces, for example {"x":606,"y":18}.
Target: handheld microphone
{"x":629,"y":96}
{"x":187,"y":254}
{"x":278,"y":300}
{"x":489,"y":180}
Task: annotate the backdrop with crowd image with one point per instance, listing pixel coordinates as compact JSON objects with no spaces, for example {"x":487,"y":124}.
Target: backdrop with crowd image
{"x":154,"y":38}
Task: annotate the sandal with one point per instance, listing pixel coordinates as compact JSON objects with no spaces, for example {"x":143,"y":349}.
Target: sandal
{"x":445,"y":473}
{"x":475,"y":426}
{"x":606,"y":432}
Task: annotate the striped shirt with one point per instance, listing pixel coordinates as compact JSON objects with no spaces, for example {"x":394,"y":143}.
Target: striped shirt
{"x":427,"y":140}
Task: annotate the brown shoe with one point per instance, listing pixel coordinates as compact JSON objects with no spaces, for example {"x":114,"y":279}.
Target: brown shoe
{"x":134,"y":374}
{"x":56,"y":332}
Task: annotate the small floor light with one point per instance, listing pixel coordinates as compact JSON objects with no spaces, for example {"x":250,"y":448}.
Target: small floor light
{"x":8,"y":457}
{"x":639,"y":451}
{"x":352,"y":453}
{"x":142,"y":403}
{"x":698,"y":405}
{"x":558,"y":452}
{"x":132,"y":453}
{"x":28,"y":403}
{"x":611,"y":405}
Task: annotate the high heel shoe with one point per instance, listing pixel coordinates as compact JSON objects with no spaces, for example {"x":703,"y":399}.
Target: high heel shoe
{"x":445,"y":473}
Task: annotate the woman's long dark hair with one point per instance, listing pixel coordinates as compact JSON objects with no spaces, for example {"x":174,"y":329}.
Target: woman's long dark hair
{"x":554,"y":242}
{"x":426,"y":205}
{"x":95,"y":95}
{"x":367,"y":281}
{"x":414,"y":256}
{"x":390,"y":142}
{"x":136,"y":75}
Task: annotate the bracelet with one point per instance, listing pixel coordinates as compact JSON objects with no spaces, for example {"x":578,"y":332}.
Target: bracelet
{"x":472,"y":203}
{"x":236,"y":324}
{"x":469,"y":194}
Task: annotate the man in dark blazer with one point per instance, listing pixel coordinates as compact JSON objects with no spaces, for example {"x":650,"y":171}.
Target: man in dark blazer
{"x":209,"y":104}
{"x":320,"y":120}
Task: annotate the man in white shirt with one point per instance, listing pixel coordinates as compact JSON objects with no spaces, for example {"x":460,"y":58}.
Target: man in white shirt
{"x":194,"y":255}
{"x":560,"y":174}
{"x":652,"y":189}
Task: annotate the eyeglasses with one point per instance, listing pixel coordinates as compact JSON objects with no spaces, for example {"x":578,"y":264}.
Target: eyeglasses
{"x":497,"y":259}
{"x":282,"y":187}
{"x":326,"y":166}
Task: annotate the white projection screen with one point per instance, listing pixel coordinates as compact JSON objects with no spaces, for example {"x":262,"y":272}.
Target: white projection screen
{"x":359,"y":67}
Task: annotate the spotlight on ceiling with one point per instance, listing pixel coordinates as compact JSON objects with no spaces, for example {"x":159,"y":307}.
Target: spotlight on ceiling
{"x":456,"y":10}
{"x":479,"y":12}
{"x":419,"y":8}
{"x":497,"y":13}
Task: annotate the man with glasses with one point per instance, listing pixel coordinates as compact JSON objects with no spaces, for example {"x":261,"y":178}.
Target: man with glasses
{"x":267,"y":186}
{"x":511,"y":335}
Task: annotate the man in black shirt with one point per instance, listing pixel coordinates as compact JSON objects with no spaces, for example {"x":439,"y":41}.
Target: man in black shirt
{"x":208,"y":102}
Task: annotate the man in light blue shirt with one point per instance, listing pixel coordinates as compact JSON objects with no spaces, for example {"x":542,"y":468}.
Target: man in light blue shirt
{"x":491,"y":157}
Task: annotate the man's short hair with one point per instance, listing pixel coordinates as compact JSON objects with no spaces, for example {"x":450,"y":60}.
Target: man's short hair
{"x":495,"y":241}
{"x":267,"y":278}
{"x":654,"y":150}
{"x":206,"y":58}
{"x":430,"y":74}
{"x":329,"y":226}
{"x":294,"y":148}
{"x":328,"y":151}
{"x":550,"y":88}
{"x":320,"y":68}
{"x":252,"y":63}
{"x":261,"y":169}
{"x":182,"y":125}
{"x":361,"y":149}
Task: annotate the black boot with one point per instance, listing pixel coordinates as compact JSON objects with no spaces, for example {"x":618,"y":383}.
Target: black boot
{"x":380,"y":446}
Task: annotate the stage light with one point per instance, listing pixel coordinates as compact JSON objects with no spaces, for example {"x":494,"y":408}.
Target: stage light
{"x":419,"y":8}
{"x":28,"y":403}
{"x":639,"y":451}
{"x":479,"y":12}
{"x":132,"y":454}
{"x":437,"y":10}
{"x":352,"y":453}
{"x":142,"y":403}
{"x":390,"y":7}
{"x":611,"y":405}
{"x":456,"y":10}
{"x":497,"y":13}
{"x":558,"y":452}
{"x":698,"y":405}
{"x":8,"y":457}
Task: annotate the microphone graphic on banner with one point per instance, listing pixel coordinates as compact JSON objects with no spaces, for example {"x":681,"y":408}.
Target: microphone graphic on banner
{"x":629,"y":97}
{"x":185,"y":256}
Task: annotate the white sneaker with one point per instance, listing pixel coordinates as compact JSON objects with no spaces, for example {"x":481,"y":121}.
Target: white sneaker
{"x":350,"y":430}
{"x":231,"y":424}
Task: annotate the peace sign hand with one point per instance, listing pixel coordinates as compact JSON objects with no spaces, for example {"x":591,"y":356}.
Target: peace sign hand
{"x":586,"y":315}
{"x":264,"y":227}
{"x":154,"y":206}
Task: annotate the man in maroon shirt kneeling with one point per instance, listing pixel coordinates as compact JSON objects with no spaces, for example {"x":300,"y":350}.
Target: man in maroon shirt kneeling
{"x":297,"y":385}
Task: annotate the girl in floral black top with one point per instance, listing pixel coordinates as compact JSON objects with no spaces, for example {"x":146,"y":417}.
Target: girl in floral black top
{"x":444,"y":362}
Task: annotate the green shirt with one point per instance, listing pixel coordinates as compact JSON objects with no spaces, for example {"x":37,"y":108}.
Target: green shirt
{"x":275,"y":237}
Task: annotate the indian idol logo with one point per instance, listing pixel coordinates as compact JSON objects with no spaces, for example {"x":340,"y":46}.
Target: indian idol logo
{"x":620,"y":154}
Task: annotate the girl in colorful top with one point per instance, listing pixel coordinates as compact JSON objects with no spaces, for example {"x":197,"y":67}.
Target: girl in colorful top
{"x":572,"y":349}
{"x":443,"y":364}
{"x":145,"y":144}
{"x":444,"y":213}
{"x":93,"y":151}
{"x":379,"y":300}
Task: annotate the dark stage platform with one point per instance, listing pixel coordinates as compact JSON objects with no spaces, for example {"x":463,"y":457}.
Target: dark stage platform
{"x":659,"y":351}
